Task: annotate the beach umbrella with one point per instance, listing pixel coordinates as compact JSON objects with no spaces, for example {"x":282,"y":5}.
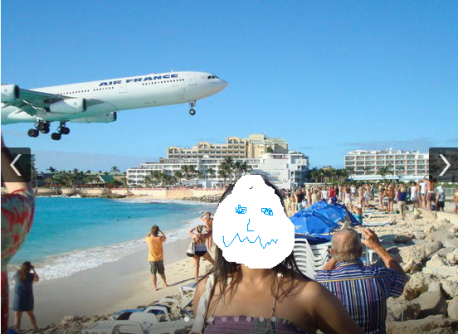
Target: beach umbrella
{"x":310,"y":222}
{"x":353,"y":220}
{"x":332,"y":212}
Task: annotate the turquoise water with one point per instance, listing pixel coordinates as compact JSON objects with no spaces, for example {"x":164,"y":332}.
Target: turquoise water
{"x":73,"y":234}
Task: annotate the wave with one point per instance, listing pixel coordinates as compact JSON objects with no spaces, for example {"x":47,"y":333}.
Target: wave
{"x":67,"y":264}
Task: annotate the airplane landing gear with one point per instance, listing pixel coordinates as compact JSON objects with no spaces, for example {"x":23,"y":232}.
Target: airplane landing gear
{"x":192,"y":111}
{"x":55,"y":136}
{"x":61,"y":130}
{"x":41,"y":126}
{"x":33,"y":133}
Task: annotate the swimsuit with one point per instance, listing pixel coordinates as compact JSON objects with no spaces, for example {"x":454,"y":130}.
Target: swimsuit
{"x":238,"y":324}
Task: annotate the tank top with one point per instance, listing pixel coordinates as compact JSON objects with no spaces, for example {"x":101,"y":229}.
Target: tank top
{"x":238,"y":324}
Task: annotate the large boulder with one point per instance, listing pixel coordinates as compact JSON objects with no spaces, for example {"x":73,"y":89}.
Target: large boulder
{"x":439,"y":266}
{"x":450,"y":287}
{"x":403,"y":238}
{"x":402,"y":310}
{"x":431,"y":303}
{"x":436,"y":324}
{"x":417,"y":284}
{"x":452,"y":309}
{"x":419,"y":253}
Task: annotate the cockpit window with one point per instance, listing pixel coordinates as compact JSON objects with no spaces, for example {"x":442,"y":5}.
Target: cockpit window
{"x":212,"y":77}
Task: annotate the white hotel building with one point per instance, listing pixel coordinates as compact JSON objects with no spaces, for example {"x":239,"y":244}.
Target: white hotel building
{"x":404,"y":165}
{"x":284,"y":169}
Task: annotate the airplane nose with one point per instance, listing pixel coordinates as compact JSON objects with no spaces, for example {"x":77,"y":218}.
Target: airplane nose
{"x":223,"y":84}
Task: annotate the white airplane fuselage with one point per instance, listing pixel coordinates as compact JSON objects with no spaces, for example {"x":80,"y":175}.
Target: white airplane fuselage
{"x":113,"y":95}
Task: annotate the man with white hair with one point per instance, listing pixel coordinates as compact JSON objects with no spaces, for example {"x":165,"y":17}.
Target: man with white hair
{"x":363,"y":290}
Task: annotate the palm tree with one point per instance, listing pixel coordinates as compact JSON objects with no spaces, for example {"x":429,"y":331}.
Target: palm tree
{"x":51,"y":169}
{"x":211,"y":172}
{"x":384,"y":170}
{"x":114,"y":169}
{"x":178,"y":175}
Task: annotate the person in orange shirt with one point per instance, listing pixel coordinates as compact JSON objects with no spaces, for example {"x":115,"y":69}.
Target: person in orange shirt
{"x":156,"y":254}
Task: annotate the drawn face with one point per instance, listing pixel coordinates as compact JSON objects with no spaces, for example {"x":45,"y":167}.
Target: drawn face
{"x":251,"y":227}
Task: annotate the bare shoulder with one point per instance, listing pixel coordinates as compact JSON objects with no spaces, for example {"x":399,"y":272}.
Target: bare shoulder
{"x":200,"y":289}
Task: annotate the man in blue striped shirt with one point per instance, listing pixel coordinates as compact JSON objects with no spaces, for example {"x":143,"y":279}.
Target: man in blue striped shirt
{"x":363,"y":290}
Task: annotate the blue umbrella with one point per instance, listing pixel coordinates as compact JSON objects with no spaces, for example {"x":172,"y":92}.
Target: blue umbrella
{"x":332,"y":212}
{"x":309,"y":222}
{"x":353,"y":220}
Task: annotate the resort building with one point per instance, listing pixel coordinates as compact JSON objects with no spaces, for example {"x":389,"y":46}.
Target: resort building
{"x":238,"y":148}
{"x":389,"y":163}
{"x":284,"y":169}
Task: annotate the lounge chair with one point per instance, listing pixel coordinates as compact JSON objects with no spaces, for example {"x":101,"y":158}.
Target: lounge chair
{"x":136,"y":327}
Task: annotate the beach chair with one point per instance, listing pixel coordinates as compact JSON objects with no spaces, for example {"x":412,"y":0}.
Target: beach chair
{"x":137,"y":327}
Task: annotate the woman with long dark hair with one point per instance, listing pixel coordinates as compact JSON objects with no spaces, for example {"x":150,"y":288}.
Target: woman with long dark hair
{"x":23,"y":294}
{"x":235,"y":298}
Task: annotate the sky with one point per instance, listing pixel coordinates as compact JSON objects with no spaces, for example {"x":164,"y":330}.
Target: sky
{"x":327,"y":77}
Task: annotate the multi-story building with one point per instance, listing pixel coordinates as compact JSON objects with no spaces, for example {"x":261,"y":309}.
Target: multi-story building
{"x":403,"y":164}
{"x":238,"y":148}
{"x":283,"y":169}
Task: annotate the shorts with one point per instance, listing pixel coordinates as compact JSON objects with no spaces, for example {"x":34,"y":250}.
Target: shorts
{"x":157,"y":266}
{"x":200,"y":253}
{"x":440,"y":204}
{"x":431,"y":197}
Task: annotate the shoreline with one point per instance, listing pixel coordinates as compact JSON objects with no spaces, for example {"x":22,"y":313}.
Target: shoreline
{"x":108,"y":288}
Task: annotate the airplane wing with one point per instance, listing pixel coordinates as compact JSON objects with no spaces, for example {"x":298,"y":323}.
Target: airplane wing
{"x":30,"y":100}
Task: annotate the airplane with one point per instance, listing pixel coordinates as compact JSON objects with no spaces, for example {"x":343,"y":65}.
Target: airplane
{"x":99,"y":101}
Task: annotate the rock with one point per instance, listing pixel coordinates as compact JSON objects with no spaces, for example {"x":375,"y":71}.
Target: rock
{"x":452,"y":309}
{"x":415,"y":254}
{"x":419,"y":235}
{"x":431,"y":303}
{"x":399,"y":310}
{"x":450,"y":287}
{"x":69,"y":319}
{"x":403,"y":238}
{"x":434,"y":287}
{"x":417,"y":284}
{"x":440,"y":235}
{"x":451,"y":242}
{"x":451,"y":258}
{"x":444,"y":251}
{"x":437,"y":324}
{"x":441,"y":270}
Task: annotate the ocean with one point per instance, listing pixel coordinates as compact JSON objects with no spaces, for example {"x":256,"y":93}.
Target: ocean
{"x":75,"y":234}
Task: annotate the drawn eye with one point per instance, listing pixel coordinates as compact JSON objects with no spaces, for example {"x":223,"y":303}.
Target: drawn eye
{"x":240,"y":210}
{"x":267,"y":211}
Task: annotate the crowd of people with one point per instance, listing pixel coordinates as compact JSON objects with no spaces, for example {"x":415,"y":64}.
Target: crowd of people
{"x":422,"y":194}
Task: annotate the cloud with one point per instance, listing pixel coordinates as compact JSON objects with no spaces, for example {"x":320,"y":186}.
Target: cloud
{"x":421,"y":144}
{"x":62,"y":160}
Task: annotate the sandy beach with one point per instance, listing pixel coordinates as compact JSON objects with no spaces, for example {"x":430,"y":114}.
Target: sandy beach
{"x":110,"y":287}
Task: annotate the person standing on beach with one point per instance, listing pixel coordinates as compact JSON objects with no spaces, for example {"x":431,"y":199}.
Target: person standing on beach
{"x":156,"y":254}
{"x":199,"y":237}
{"x":208,"y":220}
{"x":23,"y":294}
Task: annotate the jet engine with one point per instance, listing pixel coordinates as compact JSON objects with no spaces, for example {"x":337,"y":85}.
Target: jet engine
{"x":103,"y":118}
{"x":10,"y":93}
{"x":69,"y":106}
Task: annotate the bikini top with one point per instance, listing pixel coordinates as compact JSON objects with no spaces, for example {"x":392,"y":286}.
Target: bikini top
{"x":238,"y":324}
